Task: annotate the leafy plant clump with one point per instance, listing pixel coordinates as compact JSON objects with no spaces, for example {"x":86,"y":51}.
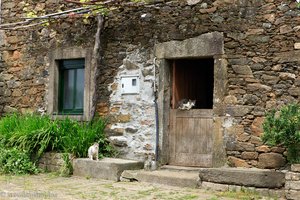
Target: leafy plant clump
{"x":14,"y":161}
{"x":35,"y":134}
{"x":67,"y":169}
{"x":283,"y":128}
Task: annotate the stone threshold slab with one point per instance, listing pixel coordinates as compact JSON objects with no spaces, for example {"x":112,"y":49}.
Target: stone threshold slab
{"x":163,"y":177}
{"x":106,"y":168}
{"x":243,"y":177}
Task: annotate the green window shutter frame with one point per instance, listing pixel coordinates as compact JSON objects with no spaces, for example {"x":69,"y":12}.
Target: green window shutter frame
{"x":74,"y":97}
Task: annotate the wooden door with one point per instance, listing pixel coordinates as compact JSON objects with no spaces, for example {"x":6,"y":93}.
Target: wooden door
{"x":190,"y":137}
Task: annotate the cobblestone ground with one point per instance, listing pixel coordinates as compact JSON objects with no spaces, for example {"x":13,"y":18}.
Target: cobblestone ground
{"x":49,"y":186}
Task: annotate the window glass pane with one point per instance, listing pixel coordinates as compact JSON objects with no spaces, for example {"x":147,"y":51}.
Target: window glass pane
{"x":79,"y":89}
{"x":69,"y":76}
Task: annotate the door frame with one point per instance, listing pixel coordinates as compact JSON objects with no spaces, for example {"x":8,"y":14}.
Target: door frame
{"x":206,"y":45}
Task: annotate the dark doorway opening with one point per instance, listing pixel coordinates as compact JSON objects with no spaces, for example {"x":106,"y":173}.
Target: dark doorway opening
{"x":193,"y":79}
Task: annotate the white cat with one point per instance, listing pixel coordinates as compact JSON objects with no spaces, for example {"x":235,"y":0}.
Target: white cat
{"x":93,"y":151}
{"x":185,"y":104}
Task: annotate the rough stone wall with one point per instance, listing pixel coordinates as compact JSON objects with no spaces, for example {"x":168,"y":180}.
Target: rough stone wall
{"x":261,"y":45}
{"x":24,"y":62}
{"x":133,"y":115}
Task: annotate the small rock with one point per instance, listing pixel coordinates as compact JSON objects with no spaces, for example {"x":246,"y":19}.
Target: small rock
{"x":263,"y":148}
{"x":257,"y":126}
{"x":237,"y":162}
{"x":230,"y":99}
{"x":285,"y":29}
{"x":119,"y":141}
{"x":287,"y":76}
{"x":193,"y":2}
{"x":295,"y":167}
{"x":8,"y":109}
{"x":242,"y":69}
{"x":249,"y":155}
{"x":208,"y":10}
{"x":297,"y":45}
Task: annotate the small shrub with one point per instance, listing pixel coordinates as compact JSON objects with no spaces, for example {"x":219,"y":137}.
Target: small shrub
{"x":283,"y":128}
{"x":14,"y":161}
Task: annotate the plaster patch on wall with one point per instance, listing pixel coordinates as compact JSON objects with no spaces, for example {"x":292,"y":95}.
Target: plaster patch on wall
{"x":138,"y":135}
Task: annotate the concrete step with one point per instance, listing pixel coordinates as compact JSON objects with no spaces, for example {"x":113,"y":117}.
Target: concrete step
{"x":106,"y":168}
{"x":164,"y":177}
{"x":258,"y":178}
{"x":180,"y":168}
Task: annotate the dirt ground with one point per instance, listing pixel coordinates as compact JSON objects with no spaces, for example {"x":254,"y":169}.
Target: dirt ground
{"x":50,"y":186}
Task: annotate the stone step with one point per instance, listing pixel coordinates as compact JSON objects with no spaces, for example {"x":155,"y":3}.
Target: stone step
{"x":180,"y":168}
{"x":164,"y":177}
{"x":258,"y":178}
{"x":106,"y":168}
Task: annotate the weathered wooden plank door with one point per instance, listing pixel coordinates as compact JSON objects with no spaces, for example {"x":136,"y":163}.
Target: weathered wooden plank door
{"x":190,"y":137}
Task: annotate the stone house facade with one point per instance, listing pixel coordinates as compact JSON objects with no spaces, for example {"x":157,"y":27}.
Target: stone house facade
{"x":237,"y":59}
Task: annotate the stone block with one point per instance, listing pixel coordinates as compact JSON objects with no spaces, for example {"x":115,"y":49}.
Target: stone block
{"x":245,"y":146}
{"x":297,"y":45}
{"x":193,"y":2}
{"x":271,"y":161}
{"x":130,"y":175}
{"x":203,"y":45}
{"x":238,"y":111}
{"x":292,"y":176}
{"x":295,"y":167}
{"x":285,"y":29}
{"x":237,"y":162}
{"x":107,"y":168}
{"x":119,"y":141}
{"x":172,"y":178}
{"x":277,"y":193}
{"x":278,"y":149}
{"x":292,"y":194}
{"x":243,"y":177}
{"x":258,"y":86}
{"x":263,"y":148}
{"x":249,"y":155}
{"x":256,"y":126}
{"x":123,"y":118}
{"x":242,"y":70}
{"x":292,"y":185}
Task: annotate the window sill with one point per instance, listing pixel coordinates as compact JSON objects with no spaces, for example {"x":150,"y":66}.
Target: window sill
{"x":76,"y":117}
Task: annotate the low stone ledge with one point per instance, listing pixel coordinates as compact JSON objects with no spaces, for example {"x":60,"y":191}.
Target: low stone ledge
{"x":243,"y":177}
{"x":51,"y":161}
{"x":276,"y":193}
{"x":107,"y":168}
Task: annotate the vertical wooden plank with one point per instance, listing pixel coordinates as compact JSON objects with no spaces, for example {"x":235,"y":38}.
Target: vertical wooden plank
{"x":174,"y":100}
{"x":172,"y":137}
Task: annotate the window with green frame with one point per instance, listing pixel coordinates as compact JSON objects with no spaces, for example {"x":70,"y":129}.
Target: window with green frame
{"x":71,"y":86}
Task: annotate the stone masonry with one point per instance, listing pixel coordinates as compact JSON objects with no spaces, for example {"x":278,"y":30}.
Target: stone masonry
{"x":51,"y":161}
{"x":292,"y":185}
{"x":261,"y":44}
